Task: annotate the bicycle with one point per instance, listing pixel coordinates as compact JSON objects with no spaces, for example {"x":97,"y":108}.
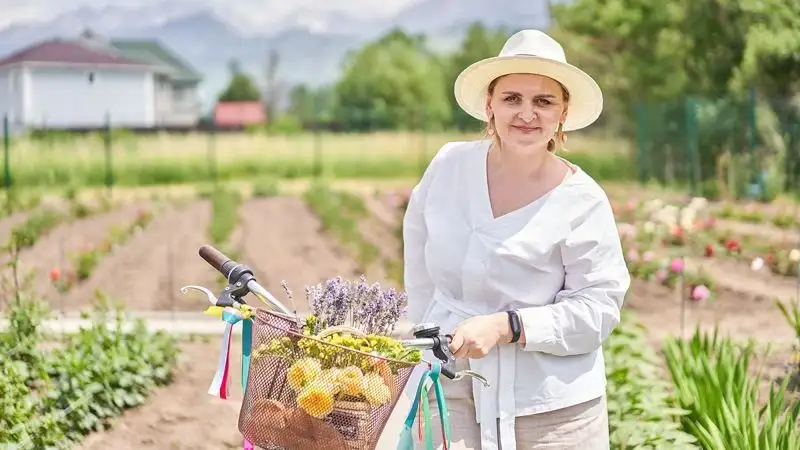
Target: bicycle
{"x":230,"y":305}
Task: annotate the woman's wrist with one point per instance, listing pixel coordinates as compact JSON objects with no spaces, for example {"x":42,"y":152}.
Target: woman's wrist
{"x":503,"y":327}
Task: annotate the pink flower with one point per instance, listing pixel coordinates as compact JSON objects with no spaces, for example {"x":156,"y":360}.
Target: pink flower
{"x":626,"y":230}
{"x":632,"y":255}
{"x":700,"y":293}
{"x":661,"y":275}
{"x":676,"y":265}
{"x":648,"y":256}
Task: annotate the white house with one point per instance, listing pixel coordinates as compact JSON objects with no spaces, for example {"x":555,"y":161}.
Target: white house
{"x":76,"y":84}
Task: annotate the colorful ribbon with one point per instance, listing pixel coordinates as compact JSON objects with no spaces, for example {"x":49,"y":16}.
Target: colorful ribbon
{"x":220,"y":384}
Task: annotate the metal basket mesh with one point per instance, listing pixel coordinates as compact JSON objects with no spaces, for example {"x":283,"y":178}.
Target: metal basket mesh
{"x":304,"y":393}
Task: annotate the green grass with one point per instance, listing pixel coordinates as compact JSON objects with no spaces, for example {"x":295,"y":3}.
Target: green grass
{"x":166,"y":160}
{"x":339,"y":212}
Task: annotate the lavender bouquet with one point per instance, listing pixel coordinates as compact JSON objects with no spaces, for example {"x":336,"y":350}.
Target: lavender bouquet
{"x":367,"y":307}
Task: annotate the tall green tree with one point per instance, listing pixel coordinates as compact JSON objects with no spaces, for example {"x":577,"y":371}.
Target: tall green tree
{"x":393,"y":82}
{"x":241,"y":87}
{"x":479,"y":42}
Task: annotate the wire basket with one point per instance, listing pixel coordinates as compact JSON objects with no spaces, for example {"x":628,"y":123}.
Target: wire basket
{"x":310,"y":392}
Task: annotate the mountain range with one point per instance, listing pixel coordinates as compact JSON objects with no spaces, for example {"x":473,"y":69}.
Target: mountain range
{"x":310,"y":43}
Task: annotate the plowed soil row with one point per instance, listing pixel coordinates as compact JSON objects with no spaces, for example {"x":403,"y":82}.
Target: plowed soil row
{"x":280,"y":239}
{"x":53,"y":249}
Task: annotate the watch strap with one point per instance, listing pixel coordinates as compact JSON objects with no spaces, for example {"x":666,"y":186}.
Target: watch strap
{"x":516,"y":325}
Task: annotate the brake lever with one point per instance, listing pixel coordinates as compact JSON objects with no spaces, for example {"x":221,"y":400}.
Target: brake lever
{"x":469,"y":373}
{"x":225,"y":298}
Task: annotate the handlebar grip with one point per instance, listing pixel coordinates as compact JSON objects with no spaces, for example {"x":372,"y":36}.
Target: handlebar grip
{"x":214,"y":257}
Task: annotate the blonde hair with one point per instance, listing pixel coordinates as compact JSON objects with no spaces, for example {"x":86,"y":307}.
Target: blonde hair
{"x":553,"y":146}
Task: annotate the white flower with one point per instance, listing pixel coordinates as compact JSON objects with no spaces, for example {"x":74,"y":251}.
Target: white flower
{"x":757,"y":264}
{"x":649,"y":227}
{"x":794,"y":255}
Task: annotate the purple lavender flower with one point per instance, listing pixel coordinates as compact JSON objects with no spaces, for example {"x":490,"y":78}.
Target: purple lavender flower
{"x":364,"y":306}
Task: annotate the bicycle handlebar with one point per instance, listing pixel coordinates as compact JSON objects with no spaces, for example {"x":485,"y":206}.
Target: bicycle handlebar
{"x":241,"y":281}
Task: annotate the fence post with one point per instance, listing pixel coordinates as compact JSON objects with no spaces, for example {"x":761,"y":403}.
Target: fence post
{"x":752,"y":142}
{"x":642,"y":120}
{"x":316,"y":167}
{"x":212,"y":153}
{"x":107,"y":148}
{"x":6,"y":153}
{"x":691,"y":144}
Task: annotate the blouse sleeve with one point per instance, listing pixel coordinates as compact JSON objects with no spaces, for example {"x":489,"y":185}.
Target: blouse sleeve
{"x":417,"y":282}
{"x":588,"y":308}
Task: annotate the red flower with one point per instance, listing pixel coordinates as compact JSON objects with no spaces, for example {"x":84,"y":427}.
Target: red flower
{"x":55,"y":274}
{"x":709,"y":250}
{"x":732,"y":246}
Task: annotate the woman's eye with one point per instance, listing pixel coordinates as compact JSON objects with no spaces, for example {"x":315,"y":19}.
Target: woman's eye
{"x":512,"y":99}
{"x":544,"y":101}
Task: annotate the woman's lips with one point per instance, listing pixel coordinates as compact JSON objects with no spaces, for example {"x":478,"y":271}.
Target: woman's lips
{"x":526,"y":129}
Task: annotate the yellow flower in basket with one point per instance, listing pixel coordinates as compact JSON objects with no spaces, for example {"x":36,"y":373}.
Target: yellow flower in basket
{"x":350,"y":379}
{"x":375,"y":390}
{"x":316,"y":398}
{"x":303,"y":372}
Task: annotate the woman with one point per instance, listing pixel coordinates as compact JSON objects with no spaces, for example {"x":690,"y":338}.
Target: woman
{"x":517,"y":252}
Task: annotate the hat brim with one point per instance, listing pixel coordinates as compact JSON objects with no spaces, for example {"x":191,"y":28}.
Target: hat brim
{"x":586,"y":98}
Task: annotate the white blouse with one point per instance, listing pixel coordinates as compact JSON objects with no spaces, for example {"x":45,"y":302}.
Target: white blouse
{"x":558,"y":260}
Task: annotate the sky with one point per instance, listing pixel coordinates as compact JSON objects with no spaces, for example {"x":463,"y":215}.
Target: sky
{"x":255,"y":11}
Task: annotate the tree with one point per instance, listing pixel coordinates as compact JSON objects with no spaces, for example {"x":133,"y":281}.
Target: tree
{"x":393,"y":82}
{"x":478,"y":43}
{"x":241,"y":88}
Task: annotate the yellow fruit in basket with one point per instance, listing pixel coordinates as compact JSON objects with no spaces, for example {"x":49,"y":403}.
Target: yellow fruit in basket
{"x":303,"y":372}
{"x":350,"y":379}
{"x":316,"y":399}
{"x":375,"y":390}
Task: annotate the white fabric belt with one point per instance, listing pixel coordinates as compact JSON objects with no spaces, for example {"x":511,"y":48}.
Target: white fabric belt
{"x":499,"y":366}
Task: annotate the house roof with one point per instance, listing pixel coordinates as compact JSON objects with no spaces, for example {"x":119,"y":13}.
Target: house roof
{"x":156,"y":54}
{"x":68,"y":52}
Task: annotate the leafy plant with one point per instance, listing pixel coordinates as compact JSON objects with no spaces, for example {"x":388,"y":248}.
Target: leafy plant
{"x":339,"y":213}
{"x":641,"y":409}
{"x":713,"y":381}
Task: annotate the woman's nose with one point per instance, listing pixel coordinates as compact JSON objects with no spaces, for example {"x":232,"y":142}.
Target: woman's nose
{"x":527,"y":113}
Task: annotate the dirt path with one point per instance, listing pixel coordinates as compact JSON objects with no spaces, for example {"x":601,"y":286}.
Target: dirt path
{"x":53,"y":249}
{"x":787,"y":238}
{"x":738,"y":316}
{"x":182,"y":415}
{"x":8,"y":223}
{"x":283,"y":241}
{"x":738,"y":277}
{"x":148,"y":272}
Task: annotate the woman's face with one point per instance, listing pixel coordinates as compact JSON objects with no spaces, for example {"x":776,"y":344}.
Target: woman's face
{"x":526,"y":109}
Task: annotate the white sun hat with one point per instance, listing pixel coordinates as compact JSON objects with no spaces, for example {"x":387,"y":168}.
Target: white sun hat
{"x":534,"y":52}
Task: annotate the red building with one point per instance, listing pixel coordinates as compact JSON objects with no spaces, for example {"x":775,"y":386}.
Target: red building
{"x":239,"y":114}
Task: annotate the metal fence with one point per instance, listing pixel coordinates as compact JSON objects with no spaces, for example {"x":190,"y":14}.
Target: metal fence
{"x":737,"y":147}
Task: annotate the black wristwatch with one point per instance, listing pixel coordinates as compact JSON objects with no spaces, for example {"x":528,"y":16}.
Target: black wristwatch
{"x":516,"y":325}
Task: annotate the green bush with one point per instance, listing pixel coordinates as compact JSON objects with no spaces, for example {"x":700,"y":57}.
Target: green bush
{"x":641,"y":409}
{"x":50,"y":399}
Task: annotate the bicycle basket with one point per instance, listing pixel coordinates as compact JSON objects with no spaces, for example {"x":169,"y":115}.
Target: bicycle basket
{"x":309,"y":392}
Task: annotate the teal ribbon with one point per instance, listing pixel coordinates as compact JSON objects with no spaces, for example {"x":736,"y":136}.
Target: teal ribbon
{"x":247,"y":345}
{"x":406,"y":441}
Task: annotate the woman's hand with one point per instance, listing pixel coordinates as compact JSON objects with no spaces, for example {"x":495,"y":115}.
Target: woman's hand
{"x":475,"y":337}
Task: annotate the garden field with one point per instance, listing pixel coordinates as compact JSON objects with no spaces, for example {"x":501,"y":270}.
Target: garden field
{"x":697,"y":266}
{"x":134,"y":161}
